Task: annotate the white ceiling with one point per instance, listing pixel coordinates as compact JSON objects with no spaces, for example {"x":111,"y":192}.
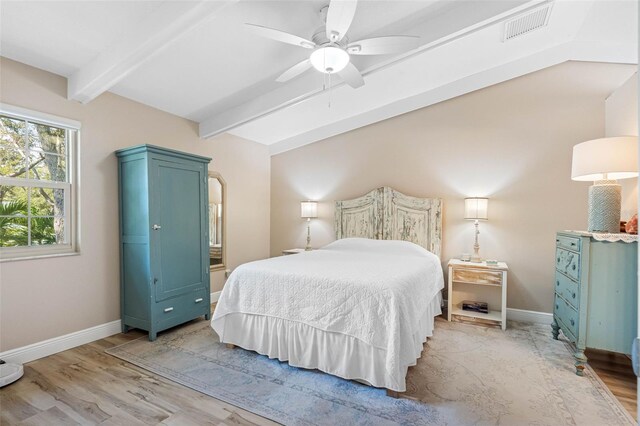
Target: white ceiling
{"x":196,"y":60}
{"x":61,"y":37}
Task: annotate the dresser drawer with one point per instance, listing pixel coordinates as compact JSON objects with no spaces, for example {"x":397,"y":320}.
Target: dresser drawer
{"x":567,"y":315}
{"x":569,"y":243}
{"x":568,"y":263}
{"x":568,"y":289}
{"x":182,"y":308}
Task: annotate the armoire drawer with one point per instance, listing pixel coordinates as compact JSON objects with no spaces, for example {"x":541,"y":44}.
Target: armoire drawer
{"x":568,"y":262}
{"x":567,"y":315}
{"x":568,"y":289}
{"x":181,"y":306}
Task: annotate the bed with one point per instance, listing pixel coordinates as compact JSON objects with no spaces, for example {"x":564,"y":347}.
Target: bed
{"x":359,"y":308}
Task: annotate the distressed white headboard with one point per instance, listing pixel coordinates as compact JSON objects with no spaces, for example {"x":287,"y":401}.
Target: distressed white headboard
{"x":386,"y":214}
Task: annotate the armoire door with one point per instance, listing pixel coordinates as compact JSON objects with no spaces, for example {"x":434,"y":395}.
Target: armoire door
{"x":178,"y":227}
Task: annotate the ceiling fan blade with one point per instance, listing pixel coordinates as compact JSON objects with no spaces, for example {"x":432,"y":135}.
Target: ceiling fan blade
{"x":352,"y":76}
{"x":339,"y":17}
{"x":383,"y":45}
{"x":280,"y":36}
{"x":294,"y":71}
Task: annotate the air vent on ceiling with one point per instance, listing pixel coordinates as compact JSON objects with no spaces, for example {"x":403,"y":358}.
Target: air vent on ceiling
{"x":527,"y":22}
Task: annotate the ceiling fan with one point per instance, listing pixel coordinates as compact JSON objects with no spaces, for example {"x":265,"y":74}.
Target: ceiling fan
{"x":331,"y":49}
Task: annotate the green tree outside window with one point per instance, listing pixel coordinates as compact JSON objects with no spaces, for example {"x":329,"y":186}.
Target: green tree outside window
{"x":32,"y":199}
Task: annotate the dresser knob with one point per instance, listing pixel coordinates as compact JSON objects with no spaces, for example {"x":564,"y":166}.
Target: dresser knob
{"x":199,"y":299}
{"x":573,"y":266}
{"x":573,"y":295}
{"x":168,"y":309}
{"x":572,"y":323}
{"x":557,"y":307}
{"x":558,"y":260}
{"x":557,"y":282}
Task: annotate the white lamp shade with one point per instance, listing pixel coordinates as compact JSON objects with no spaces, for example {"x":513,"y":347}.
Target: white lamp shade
{"x":329,"y":59}
{"x":308,"y":209}
{"x":476,"y":208}
{"x":606,"y":158}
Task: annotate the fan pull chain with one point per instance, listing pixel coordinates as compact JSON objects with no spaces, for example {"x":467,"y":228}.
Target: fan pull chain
{"x":330,"y":87}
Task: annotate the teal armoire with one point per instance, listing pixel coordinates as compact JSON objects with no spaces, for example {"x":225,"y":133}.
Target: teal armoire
{"x":164,"y":249}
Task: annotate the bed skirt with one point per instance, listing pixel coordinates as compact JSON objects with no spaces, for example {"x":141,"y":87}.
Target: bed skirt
{"x":304,"y":346}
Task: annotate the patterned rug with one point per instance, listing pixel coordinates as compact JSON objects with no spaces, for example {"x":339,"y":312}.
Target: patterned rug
{"x":467,"y":375}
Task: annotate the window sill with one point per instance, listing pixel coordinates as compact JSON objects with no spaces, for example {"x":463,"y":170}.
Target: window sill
{"x":15,"y":257}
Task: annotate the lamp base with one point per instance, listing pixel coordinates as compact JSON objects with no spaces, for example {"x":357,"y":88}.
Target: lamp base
{"x":308,"y":247}
{"x":476,"y":246}
{"x":605,"y":201}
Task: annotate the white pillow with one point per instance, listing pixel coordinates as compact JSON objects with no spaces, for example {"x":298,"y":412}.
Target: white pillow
{"x":396,"y":247}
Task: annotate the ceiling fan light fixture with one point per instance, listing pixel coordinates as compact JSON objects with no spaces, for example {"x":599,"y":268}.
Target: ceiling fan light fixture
{"x":329,"y":59}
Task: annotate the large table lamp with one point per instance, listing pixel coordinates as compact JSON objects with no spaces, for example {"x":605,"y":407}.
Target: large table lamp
{"x":308,"y":210}
{"x":603,"y":161}
{"x":476,"y":209}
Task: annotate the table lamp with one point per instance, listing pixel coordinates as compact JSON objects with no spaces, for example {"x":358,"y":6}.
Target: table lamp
{"x":476,"y":209}
{"x":603,"y":161}
{"x":308,"y":210}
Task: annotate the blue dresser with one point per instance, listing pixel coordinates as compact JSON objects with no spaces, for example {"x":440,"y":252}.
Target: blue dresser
{"x":596,"y":303}
{"x":164,"y":244}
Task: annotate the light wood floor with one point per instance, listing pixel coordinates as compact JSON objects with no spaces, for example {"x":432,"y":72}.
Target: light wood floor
{"x":616,"y":372}
{"x":86,"y":386}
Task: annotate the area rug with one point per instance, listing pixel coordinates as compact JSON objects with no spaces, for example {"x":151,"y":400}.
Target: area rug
{"x":467,"y":375}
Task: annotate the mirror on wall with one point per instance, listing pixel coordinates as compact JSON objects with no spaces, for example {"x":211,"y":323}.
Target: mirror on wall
{"x":217,"y":204}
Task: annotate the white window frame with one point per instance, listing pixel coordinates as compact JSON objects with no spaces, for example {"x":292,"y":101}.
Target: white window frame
{"x":71,"y":199}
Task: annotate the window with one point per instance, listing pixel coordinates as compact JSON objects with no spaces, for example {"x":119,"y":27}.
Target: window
{"x":37,"y":184}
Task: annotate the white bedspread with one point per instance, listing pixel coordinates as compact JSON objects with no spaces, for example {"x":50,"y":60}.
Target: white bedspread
{"x":373,"y":290}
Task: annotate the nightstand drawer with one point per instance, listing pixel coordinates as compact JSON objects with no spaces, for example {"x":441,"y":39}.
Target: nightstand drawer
{"x":569,"y":243}
{"x":568,"y":289}
{"x":477,"y":276}
{"x":568,"y":263}
{"x":566,"y":314}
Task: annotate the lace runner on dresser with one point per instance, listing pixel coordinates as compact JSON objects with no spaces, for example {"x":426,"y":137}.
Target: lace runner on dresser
{"x":611,"y":237}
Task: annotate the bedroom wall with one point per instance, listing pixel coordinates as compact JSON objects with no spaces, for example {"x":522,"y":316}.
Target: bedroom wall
{"x":621,"y":118}
{"x":511,"y":142}
{"x":45,"y":298}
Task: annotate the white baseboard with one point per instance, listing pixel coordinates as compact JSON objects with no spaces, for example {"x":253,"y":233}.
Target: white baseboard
{"x":62,"y":343}
{"x":215,"y":296}
{"x":529,"y":316}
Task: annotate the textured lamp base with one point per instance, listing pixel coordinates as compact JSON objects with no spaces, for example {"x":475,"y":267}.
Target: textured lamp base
{"x":476,"y":247}
{"x":308,"y":247}
{"x":605,"y":201}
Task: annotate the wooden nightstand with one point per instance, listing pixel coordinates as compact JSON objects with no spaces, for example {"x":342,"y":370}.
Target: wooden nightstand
{"x":292,"y":251}
{"x":481,"y":283}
